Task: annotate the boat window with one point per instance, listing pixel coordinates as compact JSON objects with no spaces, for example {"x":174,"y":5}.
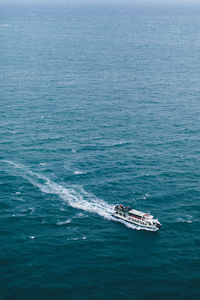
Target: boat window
{"x":124,"y":215}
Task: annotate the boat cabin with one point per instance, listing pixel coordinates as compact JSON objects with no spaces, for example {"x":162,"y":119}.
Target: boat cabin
{"x":132,"y":212}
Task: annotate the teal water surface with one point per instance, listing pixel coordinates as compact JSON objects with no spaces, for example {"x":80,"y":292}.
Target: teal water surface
{"x":99,"y":105}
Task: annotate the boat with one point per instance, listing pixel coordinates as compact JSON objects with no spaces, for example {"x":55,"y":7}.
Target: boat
{"x":136,"y":217}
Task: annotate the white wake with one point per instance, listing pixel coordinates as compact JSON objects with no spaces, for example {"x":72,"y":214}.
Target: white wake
{"x":75,"y":196}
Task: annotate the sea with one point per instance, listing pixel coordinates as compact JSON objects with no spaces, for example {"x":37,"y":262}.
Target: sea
{"x":100,"y":105}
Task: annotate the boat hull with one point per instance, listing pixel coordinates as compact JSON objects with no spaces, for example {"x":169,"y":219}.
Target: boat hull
{"x":136,"y":222}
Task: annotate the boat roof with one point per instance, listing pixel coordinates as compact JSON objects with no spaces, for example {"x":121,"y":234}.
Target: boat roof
{"x":137,"y":212}
{"x":140,"y":213}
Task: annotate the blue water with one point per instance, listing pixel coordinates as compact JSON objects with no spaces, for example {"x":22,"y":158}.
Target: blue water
{"x":99,"y":105}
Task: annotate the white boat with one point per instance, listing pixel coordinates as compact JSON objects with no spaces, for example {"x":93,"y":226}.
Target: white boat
{"x":136,"y":217}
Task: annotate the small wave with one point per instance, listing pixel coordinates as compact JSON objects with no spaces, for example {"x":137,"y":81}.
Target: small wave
{"x":81,"y":215}
{"x":21,"y":199}
{"x":24,"y":212}
{"x":75,"y":196}
{"x":18,"y":215}
{"x":31,"y":210}
{"x":118,"y":144}
{"x":64,"y":222}
{"x":186,"y":219}
{"x":77,"y":238}
{"x":79,"y":172}
{"x":62,"y":209}
{"x":146,"y":196}
{"x":12,"y":131}
{"x":6,"y":25}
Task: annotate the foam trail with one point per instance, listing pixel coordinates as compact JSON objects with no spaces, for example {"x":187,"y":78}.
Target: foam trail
{"x":75,"y":196}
